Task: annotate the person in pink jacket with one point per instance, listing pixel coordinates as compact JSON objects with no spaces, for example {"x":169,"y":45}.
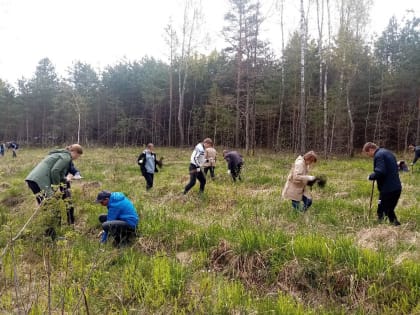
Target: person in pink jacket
{"x":296,"y":185}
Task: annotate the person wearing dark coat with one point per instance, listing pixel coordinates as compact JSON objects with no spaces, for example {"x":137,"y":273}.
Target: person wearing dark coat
{"x":402,"y":166}
{"x":234,"y":163}
{"x":13,"y":146}
{"x":148,"y":164}
{"x":385,"y":173}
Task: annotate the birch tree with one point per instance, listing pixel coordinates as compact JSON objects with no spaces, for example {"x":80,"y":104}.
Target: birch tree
{"x":302,"y":79}
{"x":189,"y":30}
{"x":172,"y":42}
{"x":282,"y":74}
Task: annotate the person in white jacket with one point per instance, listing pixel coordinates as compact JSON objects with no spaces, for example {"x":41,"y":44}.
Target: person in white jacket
{"x":295,"y":188}
{"x":197,"y":161}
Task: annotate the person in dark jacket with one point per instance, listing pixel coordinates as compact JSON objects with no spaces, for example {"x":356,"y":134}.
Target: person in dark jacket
{"x":121,"y":220}
{"x":13,"y":146}
{"x":385,"y":172}
{"x":416,"y":149}
{"x":234,"y":163}
{"x":402,"y":166}
{"x":148,"y":164}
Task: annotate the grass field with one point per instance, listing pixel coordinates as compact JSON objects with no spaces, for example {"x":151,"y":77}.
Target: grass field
{"x":237,"y":249}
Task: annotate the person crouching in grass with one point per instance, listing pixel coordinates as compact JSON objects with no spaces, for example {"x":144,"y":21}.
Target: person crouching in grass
{"x":121,"y":220}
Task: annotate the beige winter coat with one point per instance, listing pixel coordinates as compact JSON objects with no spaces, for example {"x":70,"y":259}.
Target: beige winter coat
{"x":296,"y":184}
{"x":210,"y":156}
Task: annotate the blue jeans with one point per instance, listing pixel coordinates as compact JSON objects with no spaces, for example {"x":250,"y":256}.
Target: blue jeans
{"x":307,"y":202}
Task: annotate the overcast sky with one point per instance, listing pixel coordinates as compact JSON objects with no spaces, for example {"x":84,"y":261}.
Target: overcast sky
{"x":103,"y":32}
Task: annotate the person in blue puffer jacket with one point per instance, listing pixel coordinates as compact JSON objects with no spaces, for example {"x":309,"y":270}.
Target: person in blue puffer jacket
{"x":121,"y":220}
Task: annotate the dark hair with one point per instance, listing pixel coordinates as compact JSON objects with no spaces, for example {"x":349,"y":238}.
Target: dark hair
{"x":104,"y":194}
{"x":368,"y":146}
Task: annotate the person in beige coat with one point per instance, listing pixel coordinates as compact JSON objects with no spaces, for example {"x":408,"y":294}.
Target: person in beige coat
{"x":295,"y":188}
{"x":210,"y":160}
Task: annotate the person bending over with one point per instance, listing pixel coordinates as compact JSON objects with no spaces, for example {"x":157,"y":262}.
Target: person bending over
{"x":385,"y":172}
{"x":296,"y":185}
{"x":121,"y":220}
{"x":234,"y":163}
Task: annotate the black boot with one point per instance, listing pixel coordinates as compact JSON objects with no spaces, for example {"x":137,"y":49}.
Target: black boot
{"x":395,"y":222}
{"x":70,"y":215}
{"x":50,"y":232}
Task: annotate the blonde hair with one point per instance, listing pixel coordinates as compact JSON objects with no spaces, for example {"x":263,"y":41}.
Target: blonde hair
{"x":75,"y":148}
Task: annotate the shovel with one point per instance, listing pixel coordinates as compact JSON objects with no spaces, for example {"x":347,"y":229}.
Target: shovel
{"x":371,"y":197}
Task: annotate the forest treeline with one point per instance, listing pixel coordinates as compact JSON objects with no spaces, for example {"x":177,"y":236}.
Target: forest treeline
{"x":330,"y":91}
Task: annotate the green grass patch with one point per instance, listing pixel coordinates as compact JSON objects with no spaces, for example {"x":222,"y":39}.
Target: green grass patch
{"x":237,"y":249}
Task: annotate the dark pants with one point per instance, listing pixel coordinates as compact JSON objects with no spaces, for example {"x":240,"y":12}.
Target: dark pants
{"x":56,"y":216}
{"x":65,"y":189}
{"x":307,"y":202}
{"x":386,"y":205}
{"x":121,"y":231}
{"x":66,"y":195}
{"x":235,"y":172}
{"x":211,"y":169}
{"x":149,"y":180}
{"x":36,"y":190}
{"x":194,"y":175}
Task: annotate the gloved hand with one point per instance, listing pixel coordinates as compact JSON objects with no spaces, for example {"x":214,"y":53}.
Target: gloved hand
{"x":311,"y":181}
{"x":77,"y":176}
{"x":198,"y":170}
{"x":411,"y":164}
{"x":228,"y":171}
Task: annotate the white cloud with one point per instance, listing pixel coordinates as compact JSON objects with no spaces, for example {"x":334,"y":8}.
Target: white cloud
{"x":102,"y":32}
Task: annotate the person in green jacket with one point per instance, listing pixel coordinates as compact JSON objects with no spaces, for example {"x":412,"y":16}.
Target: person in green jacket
{"x":52,"y":171}
{"x":49,"y":175}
